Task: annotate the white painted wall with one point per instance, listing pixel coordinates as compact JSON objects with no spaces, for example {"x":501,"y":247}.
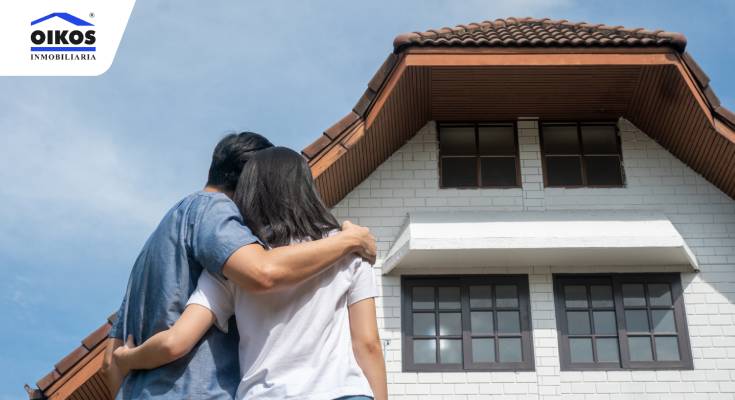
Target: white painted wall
{"x":656,"y":180}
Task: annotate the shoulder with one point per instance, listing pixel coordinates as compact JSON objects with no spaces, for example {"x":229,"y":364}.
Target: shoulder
{"x":212,"y":202}
{"x":355,"y":262}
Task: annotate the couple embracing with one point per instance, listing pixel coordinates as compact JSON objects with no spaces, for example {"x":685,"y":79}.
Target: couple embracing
{"x":250,"y":289}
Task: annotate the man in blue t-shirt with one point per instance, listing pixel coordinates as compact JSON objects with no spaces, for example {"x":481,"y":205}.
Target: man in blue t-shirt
{"x":205,"y":230}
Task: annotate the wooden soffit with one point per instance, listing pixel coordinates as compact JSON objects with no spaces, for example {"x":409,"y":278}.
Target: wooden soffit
{"x":654,"y":88}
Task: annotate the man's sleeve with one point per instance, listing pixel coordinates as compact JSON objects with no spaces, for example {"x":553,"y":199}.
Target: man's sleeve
{"x":216,"y":295}
{"x":116,"y":332}
{"x":218,"y":232}
{"x":363,"y":283}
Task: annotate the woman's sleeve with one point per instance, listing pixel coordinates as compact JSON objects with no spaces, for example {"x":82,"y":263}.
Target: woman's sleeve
{"x":217,"y":295}
{"x":363,"y":282}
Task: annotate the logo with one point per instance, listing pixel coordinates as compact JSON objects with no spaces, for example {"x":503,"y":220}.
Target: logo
{"x":62,"y":37}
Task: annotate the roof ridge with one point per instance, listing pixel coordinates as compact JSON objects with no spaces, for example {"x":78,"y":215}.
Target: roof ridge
{"x":450,"y":35}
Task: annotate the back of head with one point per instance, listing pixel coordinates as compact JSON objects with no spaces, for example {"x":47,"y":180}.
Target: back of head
{"x":229,"y":157}
{"x":277,"y":196}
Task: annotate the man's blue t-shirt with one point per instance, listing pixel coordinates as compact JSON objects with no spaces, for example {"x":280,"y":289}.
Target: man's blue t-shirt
{"x":200,"y":232}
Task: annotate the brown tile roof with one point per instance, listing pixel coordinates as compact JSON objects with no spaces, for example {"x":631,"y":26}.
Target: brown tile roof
{"x":539,"y":32}
{"x":515,"y":35}
{"x":90,"y":347}
{"x":511,"y":33}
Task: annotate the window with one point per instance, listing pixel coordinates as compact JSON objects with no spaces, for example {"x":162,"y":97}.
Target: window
{"x":466,"y":323}
{"x":581,"y":154}
{"x":621,"y":322}
{"x":478,"y":155}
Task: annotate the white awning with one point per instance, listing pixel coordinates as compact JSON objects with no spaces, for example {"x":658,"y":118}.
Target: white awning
{"x":529,"y":238}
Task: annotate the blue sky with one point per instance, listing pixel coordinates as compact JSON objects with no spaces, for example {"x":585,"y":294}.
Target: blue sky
{"x":89,"y":165}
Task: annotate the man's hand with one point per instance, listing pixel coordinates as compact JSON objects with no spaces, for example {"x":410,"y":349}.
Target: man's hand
{"x":365,"y":241}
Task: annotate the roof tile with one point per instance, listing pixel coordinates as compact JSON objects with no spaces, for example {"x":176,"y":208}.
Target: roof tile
{"x":335,"y":130}
{"x":96,"y":337}
{"x":364,"y":103}
{"x":534,"y":32}
{"x":316,"y":146}
{"x":48,"y":380}
{"x":71,"y":359}
{"x":696,"y":70}
{"x":379,"y":78}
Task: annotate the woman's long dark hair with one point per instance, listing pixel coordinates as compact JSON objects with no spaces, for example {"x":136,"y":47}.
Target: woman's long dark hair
{"x":278,"y":199}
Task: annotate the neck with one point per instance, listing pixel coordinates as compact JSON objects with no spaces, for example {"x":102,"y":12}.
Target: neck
{"x":215,"y":189}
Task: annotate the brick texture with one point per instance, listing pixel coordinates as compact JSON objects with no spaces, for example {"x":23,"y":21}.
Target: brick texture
{"x":655,"y":180}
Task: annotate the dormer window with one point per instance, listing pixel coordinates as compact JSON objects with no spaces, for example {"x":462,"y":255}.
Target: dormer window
{"x":478,"y":155}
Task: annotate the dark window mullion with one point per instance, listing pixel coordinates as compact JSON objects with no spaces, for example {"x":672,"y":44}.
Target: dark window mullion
{"x":464,"y":299}
{"x":649,"y":315}
{"x":496,"y":342}
{"x":477,"y":156}
{"x":582,"y":161}
{"x":436,"y":325}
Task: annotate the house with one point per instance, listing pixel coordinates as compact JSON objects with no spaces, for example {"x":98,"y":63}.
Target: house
{"x":554,"y":204}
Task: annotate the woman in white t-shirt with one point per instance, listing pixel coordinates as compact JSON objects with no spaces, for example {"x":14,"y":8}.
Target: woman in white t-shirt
{"x":315,"y":340}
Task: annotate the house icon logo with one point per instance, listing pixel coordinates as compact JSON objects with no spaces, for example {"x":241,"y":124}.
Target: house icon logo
{"x":62,"y":36}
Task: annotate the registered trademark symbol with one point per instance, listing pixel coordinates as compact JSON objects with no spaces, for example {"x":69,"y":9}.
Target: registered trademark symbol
{"x":91,"y":15}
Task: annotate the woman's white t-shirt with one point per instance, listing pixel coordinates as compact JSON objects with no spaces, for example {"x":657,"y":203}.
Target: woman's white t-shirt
{"x":295,"y":343}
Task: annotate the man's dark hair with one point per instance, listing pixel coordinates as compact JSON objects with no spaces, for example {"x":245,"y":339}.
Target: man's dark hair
{"x":230,"y":156}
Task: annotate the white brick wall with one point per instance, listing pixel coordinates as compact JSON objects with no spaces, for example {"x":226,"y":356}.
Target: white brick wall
{"x":408,"y":181}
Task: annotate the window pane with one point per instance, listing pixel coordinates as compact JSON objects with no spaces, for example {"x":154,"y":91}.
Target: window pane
{"x":599,"y":139}
{"x":498,"y":171}
{"x":449,"y":298}
{"x":663,"y":320}
{"x":575,"y":296}
{"x":483,"y":350}
{"x":563,"y":171}
{"x":560,"y":139}
{"x":481,"y":296}
{"x":605,"y":323}
{"x":509,"y":322}
{"x":424,"y":324}
{"x":423,"y":298}
{"x":450,"y":324}
{"x":636,"y":320}
{"x":459,"y":172}
{"x":481,"y":322}
{"x":509,"y":350}
{"x":633,"y":294}
{"x":450,"y":351}
{"x":667,"y":348}
{"x":607,"y":350}
{"x":580,"y":350}
{"x":604,"y":170}
{"x":601,"y":296}
{"x":507,"y":296}
{"x":497,"y":140}
{"x":424,"y":351}
{"x":456,"y":140}
{"x":578,"y":322}
{"x":640,"y":348}
{"x":659,"y":294}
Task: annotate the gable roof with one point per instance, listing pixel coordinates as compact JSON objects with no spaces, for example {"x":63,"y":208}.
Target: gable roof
{"x":650,"y":61}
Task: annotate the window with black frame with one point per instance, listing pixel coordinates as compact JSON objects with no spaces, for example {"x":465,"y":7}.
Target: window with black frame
{"x":466,"y":323}
{"x":476,"y":155}
{"x":581,"y":154}
{"x":626,"y":321}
